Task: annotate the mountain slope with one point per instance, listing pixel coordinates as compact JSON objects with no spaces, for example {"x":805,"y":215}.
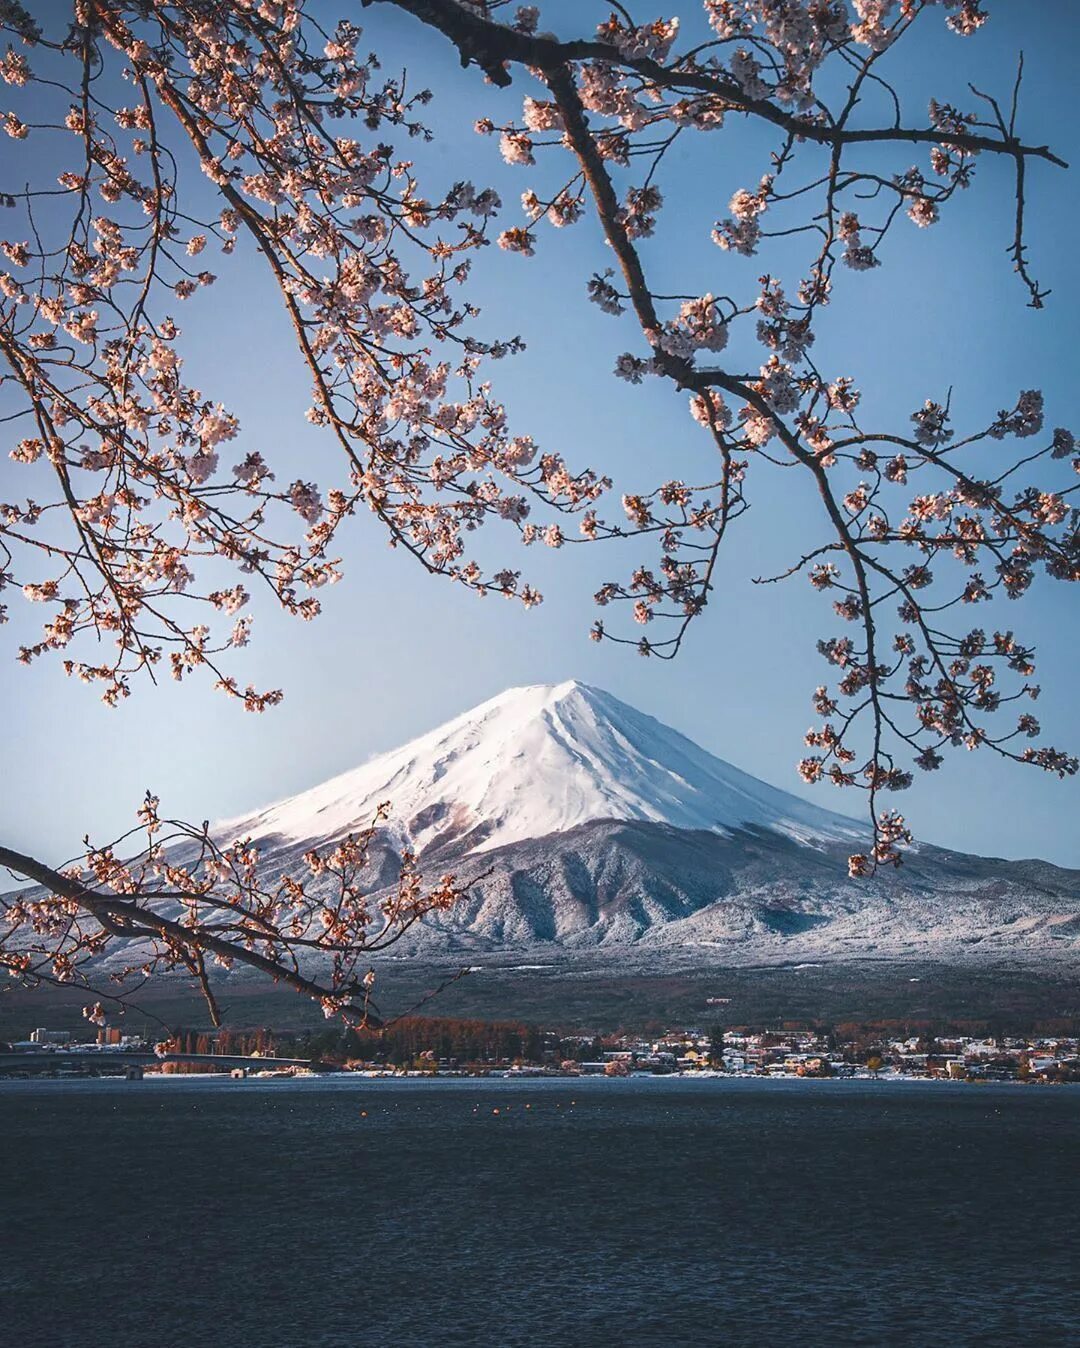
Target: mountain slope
{"x":677,"y":896}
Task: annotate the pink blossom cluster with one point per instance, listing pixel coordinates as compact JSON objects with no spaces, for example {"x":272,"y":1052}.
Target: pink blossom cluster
{"x":294,"y":129}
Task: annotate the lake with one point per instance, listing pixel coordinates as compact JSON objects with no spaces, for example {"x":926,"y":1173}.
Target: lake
{"x":344,"y":1211}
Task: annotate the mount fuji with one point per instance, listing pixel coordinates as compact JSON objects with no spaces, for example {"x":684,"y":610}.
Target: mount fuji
{"x":575,"y":822}
{"x":538,"y":761}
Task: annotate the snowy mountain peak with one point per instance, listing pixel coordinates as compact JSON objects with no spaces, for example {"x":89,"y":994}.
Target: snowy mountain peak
{"x":539,"y":760}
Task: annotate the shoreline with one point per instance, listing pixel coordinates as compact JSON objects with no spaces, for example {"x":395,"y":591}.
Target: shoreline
{"x":505,"y":1081}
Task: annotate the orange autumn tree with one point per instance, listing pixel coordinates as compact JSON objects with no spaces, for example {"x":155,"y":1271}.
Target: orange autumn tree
{"x":130,"y":487}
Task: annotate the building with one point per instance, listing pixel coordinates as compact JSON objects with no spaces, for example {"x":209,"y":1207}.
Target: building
{"x":44,"y":1036}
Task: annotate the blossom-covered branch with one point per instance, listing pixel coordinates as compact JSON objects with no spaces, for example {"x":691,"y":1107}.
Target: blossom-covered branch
{"x":182,"y":900}
{"x":616,"y":102}
{"x":369,"y":273}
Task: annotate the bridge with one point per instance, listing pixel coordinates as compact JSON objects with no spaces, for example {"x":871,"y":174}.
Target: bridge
{"x":93,"y":1061}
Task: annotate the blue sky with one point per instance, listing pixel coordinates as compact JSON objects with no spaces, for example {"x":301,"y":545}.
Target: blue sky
{"x":397,"y":652}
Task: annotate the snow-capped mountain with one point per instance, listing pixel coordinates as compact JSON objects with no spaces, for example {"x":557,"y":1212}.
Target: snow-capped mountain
{"x":592,"y":839}
{"x":573,"y":821}
{"x":538,"y":761}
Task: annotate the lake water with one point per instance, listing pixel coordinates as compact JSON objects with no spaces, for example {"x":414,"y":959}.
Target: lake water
{"x":209,"y":1212}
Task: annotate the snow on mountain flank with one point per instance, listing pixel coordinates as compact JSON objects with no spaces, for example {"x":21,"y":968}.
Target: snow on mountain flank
{"x":540,"y":760}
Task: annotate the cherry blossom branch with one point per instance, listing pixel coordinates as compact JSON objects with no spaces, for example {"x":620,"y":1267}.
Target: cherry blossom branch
{"x":185,"y":899}
{"x":809,"y":444}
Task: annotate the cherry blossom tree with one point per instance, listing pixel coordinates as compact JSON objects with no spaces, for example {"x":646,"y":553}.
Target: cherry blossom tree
{"x":140,"y":493}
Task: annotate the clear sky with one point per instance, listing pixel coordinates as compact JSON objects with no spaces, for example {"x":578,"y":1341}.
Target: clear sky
{"x":397,"y":652}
